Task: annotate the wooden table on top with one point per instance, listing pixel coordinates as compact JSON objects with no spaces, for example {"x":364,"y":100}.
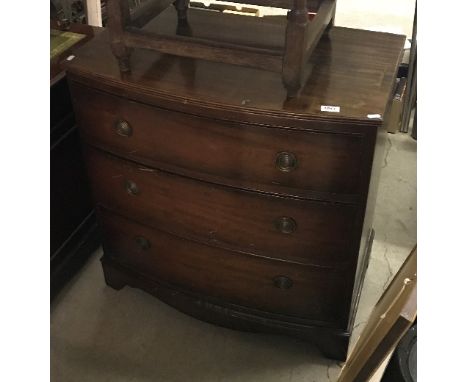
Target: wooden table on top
{"x":223,"y":198}
{"x":301,"y":36}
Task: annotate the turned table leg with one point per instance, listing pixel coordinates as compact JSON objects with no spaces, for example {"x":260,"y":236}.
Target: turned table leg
{"x":293,"y":60}
{"x":332,"y":20}
{"x":119,"y":16}
{"x":181,"y":7}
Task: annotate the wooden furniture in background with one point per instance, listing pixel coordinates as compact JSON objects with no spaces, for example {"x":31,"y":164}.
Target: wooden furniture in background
{"x":301,"y":37}
{"x":73,"y":228}
{"x":224,"y":198}
{"x":394,"y":121}
{"x":393,"y":314}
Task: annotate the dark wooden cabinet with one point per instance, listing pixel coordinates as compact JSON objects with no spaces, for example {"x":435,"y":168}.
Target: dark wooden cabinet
{"x":74,"y":233}
{"x":73,"y":229}
{"x":224,"y":198}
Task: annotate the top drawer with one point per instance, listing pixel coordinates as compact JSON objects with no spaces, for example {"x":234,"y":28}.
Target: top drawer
{"x":288,"y":161}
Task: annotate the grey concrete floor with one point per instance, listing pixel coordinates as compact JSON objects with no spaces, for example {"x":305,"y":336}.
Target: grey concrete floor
{"x":98,"y":334}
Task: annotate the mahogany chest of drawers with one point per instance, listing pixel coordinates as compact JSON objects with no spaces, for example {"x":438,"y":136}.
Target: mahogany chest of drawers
{"x":228,"y":201}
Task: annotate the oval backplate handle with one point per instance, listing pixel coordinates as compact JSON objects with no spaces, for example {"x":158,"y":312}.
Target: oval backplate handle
{"x":282,"y":282}
{"x":285,"y":224}
{"x":123,"y":128}
{"x":286,"y":161}
{"x":142,"y":242}
{"x":131,"y":187}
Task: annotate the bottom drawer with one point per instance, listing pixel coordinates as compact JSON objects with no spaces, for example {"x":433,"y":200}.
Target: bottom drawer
{"x":269,"y":285}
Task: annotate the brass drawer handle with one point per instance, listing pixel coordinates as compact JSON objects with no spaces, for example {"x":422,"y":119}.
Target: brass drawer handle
{"x":285,"y":224}
{"x":131,"y":187}
{"x":282,"y":282}
{"x":142,"y":242}
{"x":123,"y":128}
{"x":285,"y":161}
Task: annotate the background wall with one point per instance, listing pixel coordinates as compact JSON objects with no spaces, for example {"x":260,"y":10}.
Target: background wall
{"x":394,"y":16}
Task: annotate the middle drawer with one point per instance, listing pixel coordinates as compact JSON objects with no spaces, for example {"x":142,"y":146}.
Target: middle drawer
{"x":298,"y":230}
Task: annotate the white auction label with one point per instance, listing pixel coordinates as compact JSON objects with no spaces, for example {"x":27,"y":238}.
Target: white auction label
{"x":330,"y":109}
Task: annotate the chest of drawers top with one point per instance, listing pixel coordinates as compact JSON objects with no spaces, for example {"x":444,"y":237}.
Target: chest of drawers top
{"x":351,"y":69}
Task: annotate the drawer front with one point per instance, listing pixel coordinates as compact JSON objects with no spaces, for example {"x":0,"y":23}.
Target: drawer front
{"x":284,"y":160}
{"x":267,"y":285}
{"x":293,"y":229}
